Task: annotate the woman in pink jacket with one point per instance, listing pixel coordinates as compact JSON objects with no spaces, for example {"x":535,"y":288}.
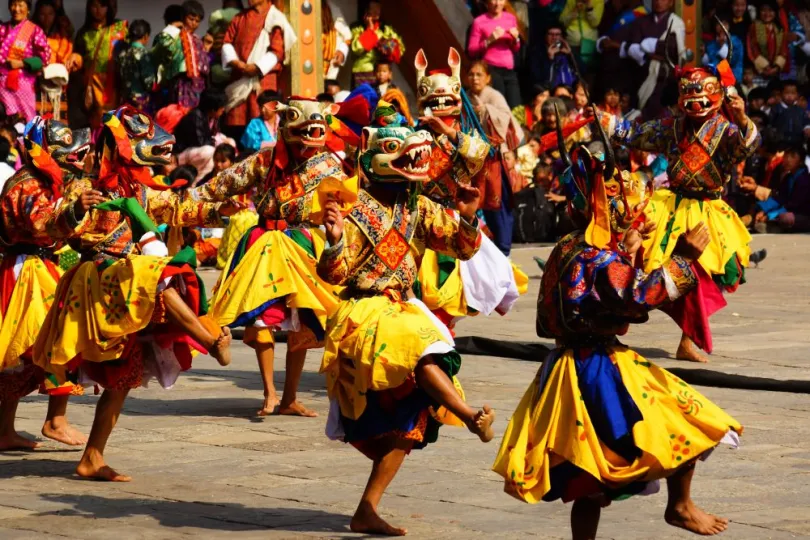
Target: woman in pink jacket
{"x":494,"y":38}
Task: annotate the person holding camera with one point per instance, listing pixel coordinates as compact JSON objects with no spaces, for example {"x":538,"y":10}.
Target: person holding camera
{"x":495,"y":39}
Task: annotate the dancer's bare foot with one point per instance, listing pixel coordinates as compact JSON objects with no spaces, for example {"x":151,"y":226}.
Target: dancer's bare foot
{"x":691,"y":518}
{"x":271,"y":403}
{"x":367,"y":521}
{"x":296,"y":408}
{"x":15,"y":441}
{"x":688,"y":351}
{"x":222,"y":347}
{"x":96,"y":469}
{"x":63,"y":433}
{"x":482,"y":424}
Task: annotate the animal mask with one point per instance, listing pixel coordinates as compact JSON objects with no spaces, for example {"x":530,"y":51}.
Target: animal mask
{"x":439,"y":92}
{"x":68,"y":148}
{"x":700,"y":92}
{"x":395,"y":154}
{"x":303,"y":121}
{"x":137,"y":138}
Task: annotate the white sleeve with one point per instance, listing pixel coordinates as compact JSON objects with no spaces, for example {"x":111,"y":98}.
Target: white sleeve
{"x":634,"y":51}
{"x":267,"y":62}
{"x":623,"y":50}
{"x":723,"y":52}
{"x":343,"y":47}
{"x":228,"y":55}
{"x":648,"y":45}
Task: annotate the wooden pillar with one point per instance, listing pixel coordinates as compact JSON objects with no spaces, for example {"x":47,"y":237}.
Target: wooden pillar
{"x":306,"y":62}
{"x":690,"y":12}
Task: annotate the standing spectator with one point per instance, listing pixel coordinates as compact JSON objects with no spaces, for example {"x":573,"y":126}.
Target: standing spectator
{"x":581,"y":19}
{"x":767,"y":45}
{"x":612,"y":46}
{"x":262,"y":131}
{"x":383,"y":77}
{"x":52,"y":93}
{"x":24,"y":51}
{"x":137,"y":71}
{"x":505,"y":135}
{"x":740,"y":19}
{"x":180,"y":54}
{"x":218,"y":23}
{"x":373,"y":41}
{"x":96,"y":43}
{"x":256,"y":45}
{"x":494,"y":38}
{"x":718,"y":50}
{"x":336,"y":38}
{"x":554,"y":67}
{"x":647,"y":47}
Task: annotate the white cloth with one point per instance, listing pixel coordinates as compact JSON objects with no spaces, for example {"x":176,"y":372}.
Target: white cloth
{"x":238,"y":91}
{"x":6,"y":172}
{"x":648,"y":87}
{"x":489,"y":280}
{"x":648,"y":45}
{"x":634,"y":51}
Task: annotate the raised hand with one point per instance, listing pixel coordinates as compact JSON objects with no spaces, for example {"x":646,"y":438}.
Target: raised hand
{"x":333,"y":222}
{"x":467,"y":198}
{"x":691,"y":245}
{"x":230,"y":207}
{"x":89,"y":199}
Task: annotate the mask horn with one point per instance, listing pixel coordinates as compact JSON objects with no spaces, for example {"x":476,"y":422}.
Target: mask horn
{"x":564,"y":155}
{"x":420,"y":63}
{"x":728,"y":37}
{"x":454,"y":61}
{"x":610,"y":157}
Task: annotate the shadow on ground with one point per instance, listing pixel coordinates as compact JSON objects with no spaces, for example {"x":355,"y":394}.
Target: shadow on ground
{"x":218,"y":516}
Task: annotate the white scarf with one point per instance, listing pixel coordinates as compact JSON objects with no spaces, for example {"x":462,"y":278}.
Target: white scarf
{"x":648,"y":87}
{"x":238,"y":91}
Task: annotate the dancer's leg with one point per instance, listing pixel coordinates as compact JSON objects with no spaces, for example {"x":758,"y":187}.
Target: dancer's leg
{"x":585,"y":514}
{"x":180,"y":314}
{"x":295,"y":368}
{"x":92,"y":464}
{"x":438,"y":386}
{"x":9,"y":438}
{"x":687,"y":350}
{"x":365,"y":519}
{"x":681,"y":510}
{"x":56,"y":426}
{"x":265,"y":353}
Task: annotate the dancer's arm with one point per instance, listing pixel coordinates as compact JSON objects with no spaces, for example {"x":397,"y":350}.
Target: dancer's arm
{"x":236,"y":179}
{"x":27,"y":210}
{"x":340,"y":260}
{"x":654,"y":136}
{"x":742,"y":137}
{"x":440,"y":231}
{"x":178,"y":210}
{"x":69,"y":218}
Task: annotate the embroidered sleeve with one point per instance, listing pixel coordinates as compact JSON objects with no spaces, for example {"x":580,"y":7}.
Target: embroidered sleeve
{"x":63,"y":222}
{"x":181,"y":211}
{"x":439,"y":231}
{"x":27,"y":209}
{"x":339,"y":262}
{"x":631,"y":292}
{"x":743,"y":141}
{"x":650,"y":136}
{"x":235,"y":180}
{"x":473,"y":150}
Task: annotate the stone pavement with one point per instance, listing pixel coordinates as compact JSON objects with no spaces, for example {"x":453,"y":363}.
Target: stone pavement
{"x":203,"y":465}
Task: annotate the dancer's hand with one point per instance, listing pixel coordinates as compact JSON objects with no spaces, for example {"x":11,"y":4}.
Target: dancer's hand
{"x":333,"y":221}
{"x":439,"y":127}
{"x":89,"y":199}
{"x":230,"y":207}
{"x":467,"y":198}
{"x":747,"y":183}
{"x":737,"y":106}
{"x":691,"y":245}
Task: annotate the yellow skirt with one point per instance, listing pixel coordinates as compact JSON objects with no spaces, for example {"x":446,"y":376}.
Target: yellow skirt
{"x":729,"y":237}
{"x":95,"y":312}
{"x":237,"y":227}
{"x":554,"y":426}
{"x":272,"y":269}
{"x":375,"y":344}
{"x":28,"y":307}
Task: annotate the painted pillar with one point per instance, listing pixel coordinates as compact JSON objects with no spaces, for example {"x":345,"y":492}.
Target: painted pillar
{"x":306,"y":62}
{"x":690,"y":12}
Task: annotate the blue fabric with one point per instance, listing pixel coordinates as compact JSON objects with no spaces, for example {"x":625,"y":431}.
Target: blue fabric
{"x":610,"y":406}
{"x":377,"y":419}
{"x":501,"y":221}
{"x":737,"y":55}
{"x":255,"y":134}
{"x":771,"y":207}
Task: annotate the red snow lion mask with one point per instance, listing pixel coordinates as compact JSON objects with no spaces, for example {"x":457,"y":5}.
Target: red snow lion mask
{"x":700,"y":93}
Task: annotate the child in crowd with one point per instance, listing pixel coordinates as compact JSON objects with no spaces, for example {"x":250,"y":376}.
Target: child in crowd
{"x":786,"y":116}
{"x":383,"y":76}
{"x":262,"y":132}
{"x":528,"y":156}
{"x":136,"y":70}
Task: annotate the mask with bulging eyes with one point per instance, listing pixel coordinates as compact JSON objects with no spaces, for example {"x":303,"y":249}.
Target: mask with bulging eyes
{"x":440,"y":93}
{"x":700,"y":93}
{"x":303,"y":122}
{"x":151,"y":144}
{"x":69,"y":148}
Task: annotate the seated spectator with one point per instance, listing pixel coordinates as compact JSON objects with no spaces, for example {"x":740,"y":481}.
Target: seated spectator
{"x":263,"y":131}
{"x":516,"y":180}
{"x":757,"y":99}
{"x":495,"y":38}
{"x":784,"y":207}
{"x":528,"y":114}
{"x":581,"y":19}
{"x":373,"y":40}
{"x":628,"y":105}
{"x":718,"y":50}
{"x":767,"y":45}
{"x":239,"y":223}
{"x":384,"y":77}
{"x":747,"y":82}
{"x":610,"y":103}
{"x":562,"y":91}
{"x":197,"y":134}
{"x":137,"y":72}
{"x":580,"y":97}
{"x":528,"y":156}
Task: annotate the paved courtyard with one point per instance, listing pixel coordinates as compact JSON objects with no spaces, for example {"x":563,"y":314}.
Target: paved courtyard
{"x":204,"y":466}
